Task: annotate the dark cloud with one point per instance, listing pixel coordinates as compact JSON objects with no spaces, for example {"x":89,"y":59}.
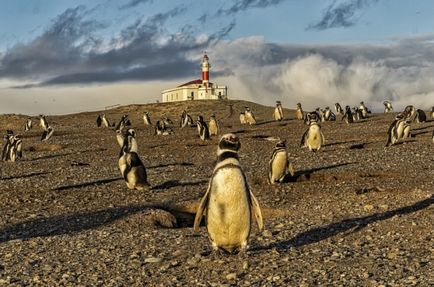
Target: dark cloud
{"x":242,"y":5}
{"x":69,"y":52}
{"x":341,"y":15}
{"x":134,"y":3}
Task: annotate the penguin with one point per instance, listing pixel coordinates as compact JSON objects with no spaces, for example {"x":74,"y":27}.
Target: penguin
{"x":147,"y":119}
{"x":432,"y":113}
{"x":202,"y":128}
{"x":387,"y":107}
{"x":409,"y":112}
{"x":102,"y":120}
{"x":279,"y":164}
{"x":278,"y":112}
{"x":420,"y":116}
{"x":131,"y":166}
{"x":339,"y":109}
{"x":348,"y":115}
{"x":121,"y":136}
{"x":329,"y":115}
{"x":357,"y":114}
{"x":43,"y":122}
{"x":321,"y":114}
{"x":29,"y":124}
{"x":363,"y":111}
{"x":185,"y":119}
{"x":47,"y":134}
{"x":16,"y":148}
{"x":161,"y":129}
{"x":228,"y":203}
{"x":399,"y":129}
{"x":313,"y":138}
{"x":123,"y":122}
{"x":299,"y":112}
{"x":13,"y":147}
{"x":167,"y":121}
{"x":243,"y":118}
{"x":7,"y":146}
{"x":249,"y":116}
{"x":213,"y":126}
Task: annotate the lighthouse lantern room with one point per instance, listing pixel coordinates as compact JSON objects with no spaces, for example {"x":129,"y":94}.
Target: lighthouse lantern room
{"x":200,"y":89}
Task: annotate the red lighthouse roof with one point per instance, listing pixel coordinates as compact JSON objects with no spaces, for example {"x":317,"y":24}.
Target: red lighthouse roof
{"x":193,"y":82}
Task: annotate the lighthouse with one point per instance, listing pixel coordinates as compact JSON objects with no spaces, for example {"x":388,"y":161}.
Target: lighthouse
{"x":200,"y":89}
{"x":205,"y":69}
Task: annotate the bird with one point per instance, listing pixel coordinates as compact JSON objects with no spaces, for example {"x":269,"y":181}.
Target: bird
{"x":228,"y":201}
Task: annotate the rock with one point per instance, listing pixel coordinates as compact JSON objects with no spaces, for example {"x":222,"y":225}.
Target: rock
{"x":153,"y":260}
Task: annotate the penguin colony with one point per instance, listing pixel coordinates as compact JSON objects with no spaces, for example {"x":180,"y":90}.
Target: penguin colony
{"x":228,"y":204}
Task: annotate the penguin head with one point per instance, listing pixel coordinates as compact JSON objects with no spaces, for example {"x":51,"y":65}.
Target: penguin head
{"x":298,"y":105}
{"x":281,"y":144}
{"x":229,"y":142}
{"x":199,"y":118}
{"x":131,"y":132}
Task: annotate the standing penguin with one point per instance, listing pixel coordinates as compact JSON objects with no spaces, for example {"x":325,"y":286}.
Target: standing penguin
{"x":131,"y":166}
{"x":213,"y":126}
{"x":250,"y":117}
{"x":399,"y":129}
{"x":185,"y":119}
{"x":387,"y":107}
{"x":278,"y":112}
{"x":432,"y":113}
{"x":202,"y":128}
{"x":339,"y":109}
{"x":420,"y":116}
{"x":47,"y":134}
{"x":29,"y":124}
{"x":243,"y":118}
{"x":43,"y":123}
{"x":299,"y":112}
{"x":279,"y":164}
{"x":13,"y":147}
{"x":147,"y":119}
{"x":329,"y":115}
{"x":313,"y":137}
{"x":228,"y":202}
{"x":363,"y":111}
{"x":122,"y":135}
{"x":348,"y":115}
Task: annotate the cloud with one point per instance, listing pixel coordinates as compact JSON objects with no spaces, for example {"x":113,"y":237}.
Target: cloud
{"x":134,"y":3}
{"x":341,"y":15}
{"x":319,"y":76}
{"x":242,"y":5}
{"x":70,"y":52}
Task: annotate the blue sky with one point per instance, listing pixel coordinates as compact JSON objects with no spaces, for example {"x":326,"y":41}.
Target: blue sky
{"x":59,"y":56}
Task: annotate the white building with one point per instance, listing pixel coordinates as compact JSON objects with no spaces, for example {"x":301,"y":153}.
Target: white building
{"x":200,"y":89}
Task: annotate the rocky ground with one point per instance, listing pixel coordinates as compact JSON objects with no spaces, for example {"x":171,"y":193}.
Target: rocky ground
{"x":355,"y":214}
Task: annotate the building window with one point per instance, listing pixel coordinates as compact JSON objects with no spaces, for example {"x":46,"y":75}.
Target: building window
{"x":192,"y":95}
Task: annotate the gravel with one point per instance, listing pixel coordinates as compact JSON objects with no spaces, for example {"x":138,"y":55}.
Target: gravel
{"x":355,"y":214}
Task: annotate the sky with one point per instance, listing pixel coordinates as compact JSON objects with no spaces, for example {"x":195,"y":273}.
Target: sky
{"x":68,"y":56}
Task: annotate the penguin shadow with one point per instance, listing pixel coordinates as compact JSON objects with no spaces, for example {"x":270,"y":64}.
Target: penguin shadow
{"x":176,"y":183}
{"x":419,"y":133}
{"x":171,"y":164}
{"x":306,"y":175}
{"x":422,"y":128}
{"x":339,"y":143}
{"x":50,"y":156}
{"x":85,"y":184}
{"x":25,"y":175}
{"x":271,"y":121}
{"x":158,"y":215}
{"x":348,"y":226}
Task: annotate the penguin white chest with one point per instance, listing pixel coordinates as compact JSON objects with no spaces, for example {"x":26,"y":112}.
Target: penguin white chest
{"x":228,"y":210}
{"x":278,"y":166}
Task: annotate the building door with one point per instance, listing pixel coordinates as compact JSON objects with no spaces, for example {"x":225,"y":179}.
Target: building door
{"x":192,"y":96}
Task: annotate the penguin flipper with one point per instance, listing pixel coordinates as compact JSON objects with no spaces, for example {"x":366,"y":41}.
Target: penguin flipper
{"x":99,"y":121}
{"x":199,"y":213}
{"x":304,"y":137}
{"x":322,"y":138}
{"x":254,"y":205}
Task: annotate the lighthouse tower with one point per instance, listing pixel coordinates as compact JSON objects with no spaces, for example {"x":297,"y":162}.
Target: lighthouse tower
{"x":205,"y":70}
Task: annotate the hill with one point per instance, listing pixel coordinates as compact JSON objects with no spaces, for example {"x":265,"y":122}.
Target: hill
{"x":356,"y":213}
